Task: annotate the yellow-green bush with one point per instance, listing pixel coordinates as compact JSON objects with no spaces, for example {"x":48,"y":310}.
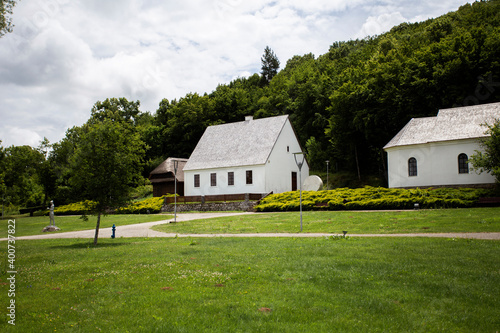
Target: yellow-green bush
{"x":77,"y":208}
{"x":371,"y":198}
{"x":147,"y":206}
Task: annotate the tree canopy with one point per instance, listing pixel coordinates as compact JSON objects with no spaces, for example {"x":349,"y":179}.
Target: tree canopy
{"x":106,"y":163}
{"x":6,"y":7}
{"x":270,"y":65}
{"x":489,"y":160}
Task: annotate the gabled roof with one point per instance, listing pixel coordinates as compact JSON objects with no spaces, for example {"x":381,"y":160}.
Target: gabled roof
{"x":450,"y":124}
{"x":244,"y":143}
{"x":165,"y":171}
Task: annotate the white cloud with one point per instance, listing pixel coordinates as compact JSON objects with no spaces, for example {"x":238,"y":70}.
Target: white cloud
{"x":64,"y":55}
{"x":375,"y":25}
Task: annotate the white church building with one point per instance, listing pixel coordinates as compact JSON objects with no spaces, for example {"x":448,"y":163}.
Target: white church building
{"x":251,"y":156}
{"x":434,"y":151}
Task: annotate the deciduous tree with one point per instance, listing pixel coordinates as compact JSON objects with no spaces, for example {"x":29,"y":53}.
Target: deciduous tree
{"x":489,"y":160}
{"x":106,"y":164}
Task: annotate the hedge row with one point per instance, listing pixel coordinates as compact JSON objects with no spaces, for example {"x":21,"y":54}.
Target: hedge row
{"x":77,"y":208}
{"x":371,"y":198}
{"x":147,"y":206}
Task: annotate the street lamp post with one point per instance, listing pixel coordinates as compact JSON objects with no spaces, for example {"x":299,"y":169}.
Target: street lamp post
{"x":300,"y":164}
{"x":327,"y":162}
{"x":176,"y":165}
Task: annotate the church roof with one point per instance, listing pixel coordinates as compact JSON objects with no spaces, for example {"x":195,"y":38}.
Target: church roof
{"x":449,"y":124}
{"x":244,"y":143}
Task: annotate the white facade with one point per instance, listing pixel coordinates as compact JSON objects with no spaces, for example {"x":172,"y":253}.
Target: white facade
{"x":437,"y":164}
{"x":434,"y":151}
{"x":263,"y":147}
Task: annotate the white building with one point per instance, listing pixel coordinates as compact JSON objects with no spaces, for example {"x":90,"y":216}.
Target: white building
{"x":434,"y":151}
{"x":252,"y":156}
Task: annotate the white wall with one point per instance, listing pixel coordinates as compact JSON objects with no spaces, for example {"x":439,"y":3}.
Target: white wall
{"x":437,"y":164}
{"x":239,"y":187}
{"x":275,"y":175}
{"x":281,"y":162}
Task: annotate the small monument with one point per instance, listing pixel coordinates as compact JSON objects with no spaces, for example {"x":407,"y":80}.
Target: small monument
{"x":52,"y":223}
{"x":312,"y":183}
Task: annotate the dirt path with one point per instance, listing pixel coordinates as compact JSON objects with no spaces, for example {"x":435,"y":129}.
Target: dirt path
{"x":144,"y":230}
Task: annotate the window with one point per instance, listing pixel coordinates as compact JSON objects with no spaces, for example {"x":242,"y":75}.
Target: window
{"x":287,"y":149}
{"x":412,"y":167}
{"x":213,"y":179}
{"x":249,"y":177}
{"x":230,"y":178}
{"x":196,"y":180}
{"x":463,"y":163}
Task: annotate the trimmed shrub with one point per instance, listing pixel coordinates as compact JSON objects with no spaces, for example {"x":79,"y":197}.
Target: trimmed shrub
{"x":371,"y":198}
{"x":77,"y":208}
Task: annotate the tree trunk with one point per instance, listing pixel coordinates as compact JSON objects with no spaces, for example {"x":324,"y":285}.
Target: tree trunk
{"x":97,"y":228}
{"x":357,"y":162}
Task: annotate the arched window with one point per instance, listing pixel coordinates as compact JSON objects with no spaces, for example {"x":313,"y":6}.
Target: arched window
{"x":463,"y":163}
{"x":412,"y":167}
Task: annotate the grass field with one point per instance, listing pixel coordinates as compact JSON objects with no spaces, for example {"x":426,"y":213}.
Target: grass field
{"x":255,"y":285}
{"x":378,"y":222}
{"x":26,"y":226}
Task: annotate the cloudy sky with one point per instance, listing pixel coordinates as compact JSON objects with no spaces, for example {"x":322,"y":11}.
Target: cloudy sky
{"x":64,"y":55}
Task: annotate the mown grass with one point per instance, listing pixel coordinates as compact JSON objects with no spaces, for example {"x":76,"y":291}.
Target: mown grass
{"x":26,"y":226}
{"x":355,"y":222}
{"x":255,"y":285}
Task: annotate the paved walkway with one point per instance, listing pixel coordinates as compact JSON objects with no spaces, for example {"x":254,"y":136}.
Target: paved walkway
{"x":144,"y":230}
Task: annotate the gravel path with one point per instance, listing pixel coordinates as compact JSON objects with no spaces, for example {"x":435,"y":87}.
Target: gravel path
{"x":144,"y":230}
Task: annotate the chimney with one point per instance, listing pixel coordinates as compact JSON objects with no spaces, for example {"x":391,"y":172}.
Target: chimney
{"x":248,"y":118}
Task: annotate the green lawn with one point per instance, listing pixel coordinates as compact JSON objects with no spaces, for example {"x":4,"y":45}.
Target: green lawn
{"x":26,"y":226}
{"x":379,"y":222}
{"x":254,"y":285}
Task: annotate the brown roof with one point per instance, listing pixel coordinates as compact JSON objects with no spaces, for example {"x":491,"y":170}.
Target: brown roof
{"x":165,"y":171}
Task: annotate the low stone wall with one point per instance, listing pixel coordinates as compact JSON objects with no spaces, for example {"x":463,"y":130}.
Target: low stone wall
{"x":245,"y":206}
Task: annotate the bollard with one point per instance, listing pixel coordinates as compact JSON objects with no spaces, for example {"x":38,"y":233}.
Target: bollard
{"x":113,"y":229}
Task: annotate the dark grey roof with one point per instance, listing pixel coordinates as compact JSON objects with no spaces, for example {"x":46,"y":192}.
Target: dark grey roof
{"x":248,"y":142}
{"x":450,"y":124}
{"x":167,"y":167}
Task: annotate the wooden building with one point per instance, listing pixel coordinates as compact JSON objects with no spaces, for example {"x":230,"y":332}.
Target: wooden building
{"x":163,"y":179}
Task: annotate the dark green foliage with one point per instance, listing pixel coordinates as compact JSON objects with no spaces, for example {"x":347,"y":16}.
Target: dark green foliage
{"x":370,"y":198}
{"x":21,"y":172}
{"x":270,"y":65}
{"x":490,"y":159}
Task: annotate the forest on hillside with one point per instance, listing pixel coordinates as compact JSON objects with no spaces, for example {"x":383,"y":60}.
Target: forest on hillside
{"x":345,"y":105}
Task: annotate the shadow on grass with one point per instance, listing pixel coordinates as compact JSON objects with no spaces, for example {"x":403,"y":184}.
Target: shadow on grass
{"x":87,"y":245}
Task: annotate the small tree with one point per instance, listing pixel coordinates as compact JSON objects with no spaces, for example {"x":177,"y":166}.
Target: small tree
{"x":489,"y":160}
{"x":270,"y":65}
{"x":106,"y":164}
